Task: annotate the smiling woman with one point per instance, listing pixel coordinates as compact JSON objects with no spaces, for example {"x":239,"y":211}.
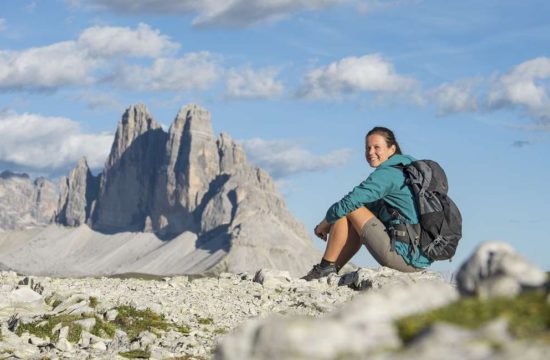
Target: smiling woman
{"x":363,"y":216}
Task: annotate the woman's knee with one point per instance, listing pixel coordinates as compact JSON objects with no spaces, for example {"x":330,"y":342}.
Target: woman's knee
{"x":359,"y":217}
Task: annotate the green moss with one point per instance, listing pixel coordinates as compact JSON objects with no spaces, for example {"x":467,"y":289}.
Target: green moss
{"x":135,"y":354}
{"x":103,"y":328}
{"x":220,"y":331}
{"x":183,"y":329}
{"x":43,"y":327}
{"x":205,"y":321}
{"x":528,"y":316}
{"x":93,"y":302}
{"x":133,"y":321}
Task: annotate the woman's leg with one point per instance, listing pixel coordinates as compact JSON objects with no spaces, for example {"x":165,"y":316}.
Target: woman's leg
{"x":341,"y":233}
{"x":342,"y":244}
{"x":375,"y":237}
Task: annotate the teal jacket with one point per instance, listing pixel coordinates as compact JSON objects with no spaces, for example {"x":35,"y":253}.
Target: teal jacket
{"x":385,"y":184}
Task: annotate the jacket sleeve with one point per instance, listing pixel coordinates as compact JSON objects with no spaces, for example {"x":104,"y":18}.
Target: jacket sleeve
{"x":374,"y":188}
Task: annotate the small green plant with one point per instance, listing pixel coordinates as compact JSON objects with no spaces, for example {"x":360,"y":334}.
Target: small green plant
{"x":133,"y":321}
{"x":93,"y":302}
{"x":103,"y":328}
{"x":528,"y":316}
{"x":135,"y":354}
{"x":220,"y":331}
{"x":185,"y":330}
{"x":43,"y":328}
{"x":205,"y":321}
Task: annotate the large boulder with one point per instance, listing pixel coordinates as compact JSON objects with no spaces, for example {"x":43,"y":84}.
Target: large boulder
{"x":496,"y":269}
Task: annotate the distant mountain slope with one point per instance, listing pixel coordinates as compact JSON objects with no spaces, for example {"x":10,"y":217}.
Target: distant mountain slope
{"x":25,"y":203}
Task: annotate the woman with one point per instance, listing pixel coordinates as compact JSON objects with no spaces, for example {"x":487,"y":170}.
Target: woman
{"x":381,"y":203}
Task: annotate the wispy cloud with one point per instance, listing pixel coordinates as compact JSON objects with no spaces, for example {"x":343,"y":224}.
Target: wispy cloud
{"x":194,"y":71}
{"x":3,"y":24}
{"x":285,"y":157}
{"x":99,"y":101}
{"x":214,"y":13}
{"x":247,"y":83}
{"x":455,"y":97}
{"x":350,"y":75}
{"x":243,"y":13}
{"x":45,"y":143}
{"x":525,"y":86}
{"x":109,"y":41}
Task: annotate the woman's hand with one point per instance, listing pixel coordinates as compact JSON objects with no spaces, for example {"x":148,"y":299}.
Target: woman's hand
{"x":322,"y":230}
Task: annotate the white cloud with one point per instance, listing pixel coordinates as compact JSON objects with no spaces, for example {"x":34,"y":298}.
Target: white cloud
{"x":351,"y":75}
{"x":285,"y":157}
{"x":253,"y":84}
{"x":194,"y":71}
{"x":230,"y":13}
{"x":46,"y":67}
{"x":109,"y":41}
{"x":49,"y":143}
{"x":84,"y":61}
{"x":526,"y":86}
{"x":456,"y":97}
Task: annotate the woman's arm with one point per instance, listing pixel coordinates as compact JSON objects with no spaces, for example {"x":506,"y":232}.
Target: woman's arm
{"x":322,"y":230}
{"x":374,"y":188}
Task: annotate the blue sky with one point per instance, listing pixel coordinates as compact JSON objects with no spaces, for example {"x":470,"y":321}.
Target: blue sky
{"x":299,"y":83}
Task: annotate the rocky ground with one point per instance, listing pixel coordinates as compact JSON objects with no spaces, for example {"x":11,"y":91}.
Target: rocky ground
{"x":266,"y":315}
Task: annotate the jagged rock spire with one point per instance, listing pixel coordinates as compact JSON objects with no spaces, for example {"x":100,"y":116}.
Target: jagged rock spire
{"x":193,"y":160}
{"x":130,"y":172}
{"x":76,"y":194}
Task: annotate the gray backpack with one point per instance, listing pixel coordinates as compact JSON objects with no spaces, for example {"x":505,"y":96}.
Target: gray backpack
{"x":440,"y":219}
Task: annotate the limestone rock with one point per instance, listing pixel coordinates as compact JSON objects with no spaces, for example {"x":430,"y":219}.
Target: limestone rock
{"x":495,"y":268}
{"x":25,"y":203}
{"x":129,"y":177}
{"x":365,"y":278}
{"x":77,"y":193}
{"x":23,"y":301}
{"x":363,"y":326}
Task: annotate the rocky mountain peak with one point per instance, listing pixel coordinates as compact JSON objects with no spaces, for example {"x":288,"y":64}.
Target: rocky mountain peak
{"x":76,"y":195}
{"x":232,"y":155}
{"x":191,"y":156}
{"x":135,"y":122}
{"x":188,"y":187}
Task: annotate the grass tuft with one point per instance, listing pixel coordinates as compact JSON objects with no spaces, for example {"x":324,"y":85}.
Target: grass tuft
{"x":205,"y":321}
{"x":528,"y":316}
{"x":103,"y":328}
{"x":93,"y":302}
{"x":135,"y":354}
{"x":133,"y":321}
{"x":43,"y":327}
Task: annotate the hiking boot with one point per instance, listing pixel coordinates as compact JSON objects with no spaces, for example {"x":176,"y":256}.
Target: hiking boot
{"x":318,"y":272}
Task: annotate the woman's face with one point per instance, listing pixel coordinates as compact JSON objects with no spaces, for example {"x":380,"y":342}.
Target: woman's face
{"x":377,"y":150}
